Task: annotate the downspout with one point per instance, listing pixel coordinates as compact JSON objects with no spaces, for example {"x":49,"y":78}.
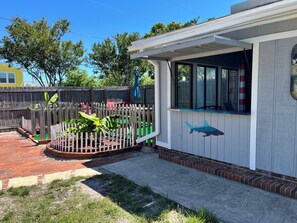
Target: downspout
{"x":157,"y":104}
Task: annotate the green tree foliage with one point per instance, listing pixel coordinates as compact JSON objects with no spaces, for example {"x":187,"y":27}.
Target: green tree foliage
{"x":160,"y":28}
{"x":111,"y":60}
{"x":39,"y":49}
{"x":80,"y":78}
{"x":146,"y":79}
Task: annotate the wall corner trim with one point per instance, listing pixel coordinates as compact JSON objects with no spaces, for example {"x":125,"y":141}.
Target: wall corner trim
{"x":254,"y":105}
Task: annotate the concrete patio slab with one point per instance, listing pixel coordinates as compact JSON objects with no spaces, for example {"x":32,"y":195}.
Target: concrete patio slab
{"x":231,"y":201}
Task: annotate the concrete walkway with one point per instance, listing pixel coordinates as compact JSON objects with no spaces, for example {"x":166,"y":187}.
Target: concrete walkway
{"x":231,"y":201}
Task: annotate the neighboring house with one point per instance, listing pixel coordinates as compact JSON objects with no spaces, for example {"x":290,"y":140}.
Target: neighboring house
{"x":10,"y":76}
{"x":238,"y":73}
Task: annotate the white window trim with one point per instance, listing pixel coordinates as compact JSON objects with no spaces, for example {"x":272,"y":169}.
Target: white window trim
{"x":7,"y":79}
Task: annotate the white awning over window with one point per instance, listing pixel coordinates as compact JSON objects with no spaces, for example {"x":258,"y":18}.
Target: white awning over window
{"x":212,"y":45}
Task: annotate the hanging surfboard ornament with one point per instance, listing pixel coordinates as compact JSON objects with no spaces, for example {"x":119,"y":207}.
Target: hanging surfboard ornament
{"x":206,"y":128}
{"x":294,"y":72}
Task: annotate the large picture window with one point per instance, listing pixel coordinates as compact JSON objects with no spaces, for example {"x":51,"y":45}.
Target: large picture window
{"x":210,"y":88}
{"x":7,"y":78}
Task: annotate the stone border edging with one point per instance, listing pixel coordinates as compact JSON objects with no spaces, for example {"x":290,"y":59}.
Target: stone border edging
{"x":243,"y":175}
{"x":47,"y":178}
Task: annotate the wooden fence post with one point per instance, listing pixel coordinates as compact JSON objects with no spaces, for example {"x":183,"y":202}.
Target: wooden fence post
{"x":42,"y":123}
{"x":49,"y":121}
{"x":144,"y":95}
{"x":33,"y":122}
{"x":91,"y":95}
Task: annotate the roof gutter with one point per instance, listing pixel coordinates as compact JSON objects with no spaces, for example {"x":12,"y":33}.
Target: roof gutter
{"x":157,"y":104}
{"x":273,"y":12}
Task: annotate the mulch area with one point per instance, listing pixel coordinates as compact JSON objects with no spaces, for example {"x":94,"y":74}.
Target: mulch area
{"x":20,"y":157}
{"x":286,"y":186}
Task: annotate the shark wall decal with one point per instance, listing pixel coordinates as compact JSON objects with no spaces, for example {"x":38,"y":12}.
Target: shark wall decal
{"x":206,"y":128}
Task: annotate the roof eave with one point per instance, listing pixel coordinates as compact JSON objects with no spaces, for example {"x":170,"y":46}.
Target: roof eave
{"x":240,"y":20}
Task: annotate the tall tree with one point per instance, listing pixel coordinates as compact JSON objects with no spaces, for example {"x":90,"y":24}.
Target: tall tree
{"x":39,"y":49}
{"x":160,"y":28}
{"x":80,"y":78}
{"x":111,"y":60}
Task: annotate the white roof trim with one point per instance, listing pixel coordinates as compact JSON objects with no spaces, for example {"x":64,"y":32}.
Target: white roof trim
{"x":273,"y":12}
{"x":196,"y":44}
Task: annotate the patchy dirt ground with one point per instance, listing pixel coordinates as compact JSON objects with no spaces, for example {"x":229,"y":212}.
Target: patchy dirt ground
{"x":105,"y":198}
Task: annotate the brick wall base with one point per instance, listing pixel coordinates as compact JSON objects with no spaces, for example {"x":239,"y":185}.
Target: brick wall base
{"x":275,"y":183}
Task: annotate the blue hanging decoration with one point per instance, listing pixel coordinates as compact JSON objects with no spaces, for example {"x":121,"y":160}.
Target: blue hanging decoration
{"x":136,"y":89}
{"x":206,"y":128}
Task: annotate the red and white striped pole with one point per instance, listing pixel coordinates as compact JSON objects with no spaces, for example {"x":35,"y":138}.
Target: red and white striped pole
{"x":242,"y":107}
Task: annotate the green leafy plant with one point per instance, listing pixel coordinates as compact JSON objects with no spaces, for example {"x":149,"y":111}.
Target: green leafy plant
{"x":91,"y":123}
{"x":50,"y":101}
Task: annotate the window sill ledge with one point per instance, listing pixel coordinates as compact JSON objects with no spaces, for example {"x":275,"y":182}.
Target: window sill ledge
{"x":209,"y":111}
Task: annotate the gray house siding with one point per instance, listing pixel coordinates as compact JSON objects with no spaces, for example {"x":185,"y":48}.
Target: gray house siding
{"x":249,"y":4}
{"x":163,"y":137}
{"x":277,"y":110}
{"x":233,"y":147}
{"x":271,"y":28}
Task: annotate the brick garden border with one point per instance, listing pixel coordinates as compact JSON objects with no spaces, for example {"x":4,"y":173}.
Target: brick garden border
{"x":275,"y":183}
{"x":26,"y":134}
{"x":72,"y":155}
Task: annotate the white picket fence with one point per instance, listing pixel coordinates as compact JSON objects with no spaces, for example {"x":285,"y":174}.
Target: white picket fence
{"x":142,"y":118}
{"x":91,"y":142}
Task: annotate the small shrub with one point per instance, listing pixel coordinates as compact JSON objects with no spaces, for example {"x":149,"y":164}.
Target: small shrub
{"x":19,"y":191}
{"x":203,"y":216}
{"x":1,"y":192}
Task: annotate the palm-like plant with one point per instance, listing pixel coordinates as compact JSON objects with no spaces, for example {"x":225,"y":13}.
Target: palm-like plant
{"x":92,"y":123}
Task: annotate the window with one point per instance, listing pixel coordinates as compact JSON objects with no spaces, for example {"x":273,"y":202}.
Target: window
{"x":229,"y":89}
{"x":7,"y":78}
{"x":184,"y":85}
{"x":210,"y":88}
{"x":200,"y":87}
{"x":207,"y":88}
{"x":3,"y":78}
{"x":11,"y":78}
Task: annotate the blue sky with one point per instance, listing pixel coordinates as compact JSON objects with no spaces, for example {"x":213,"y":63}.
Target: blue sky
{"x":93,"y":20}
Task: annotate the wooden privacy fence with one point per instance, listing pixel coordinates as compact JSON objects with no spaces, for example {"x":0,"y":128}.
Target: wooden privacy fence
{"x":90,"y":142}
{"x":12,"y":116}
{"x":141,"y":118}
{"x":12,"y":97}
{"x":15,"y":101}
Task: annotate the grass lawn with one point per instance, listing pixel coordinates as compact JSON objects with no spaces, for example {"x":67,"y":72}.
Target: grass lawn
{"x":122,"y":202}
